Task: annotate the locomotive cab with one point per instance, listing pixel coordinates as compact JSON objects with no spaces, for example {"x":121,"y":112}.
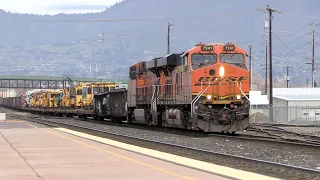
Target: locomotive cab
{"x":220,"y":84}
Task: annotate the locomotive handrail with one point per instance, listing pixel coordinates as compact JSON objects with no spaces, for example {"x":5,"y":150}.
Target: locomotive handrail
{"x":242,"y":92}
{"x":153,"y":105}
{"x":196,"y":99}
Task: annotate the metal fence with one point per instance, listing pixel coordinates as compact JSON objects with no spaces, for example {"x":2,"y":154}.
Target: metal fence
{"x":288,"y":115}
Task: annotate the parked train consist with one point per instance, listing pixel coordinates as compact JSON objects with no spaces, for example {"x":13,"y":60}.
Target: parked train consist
{"x":205,"y":88}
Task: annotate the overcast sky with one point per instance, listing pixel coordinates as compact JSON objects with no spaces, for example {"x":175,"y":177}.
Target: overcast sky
{"x":55,"y":6}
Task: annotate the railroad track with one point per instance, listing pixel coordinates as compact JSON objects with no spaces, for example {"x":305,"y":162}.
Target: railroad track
{"x":268,"y":137}
{"x":239,"y":162}
{"x":277,"y":135}
{"x":276,"y":132}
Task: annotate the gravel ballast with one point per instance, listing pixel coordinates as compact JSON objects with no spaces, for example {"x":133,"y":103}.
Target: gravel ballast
{"x":307,"y":157}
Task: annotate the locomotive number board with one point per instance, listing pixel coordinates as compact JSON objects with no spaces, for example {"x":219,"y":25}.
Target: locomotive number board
{"x":207,"y":48}
{"x":229,"y":48}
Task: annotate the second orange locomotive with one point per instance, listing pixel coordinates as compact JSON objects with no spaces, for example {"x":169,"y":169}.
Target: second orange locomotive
{"x":206,"y":88}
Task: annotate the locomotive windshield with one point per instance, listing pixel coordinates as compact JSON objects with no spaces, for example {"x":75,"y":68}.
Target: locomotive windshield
{"x":202,"y":60}
{"x":232,"y":58}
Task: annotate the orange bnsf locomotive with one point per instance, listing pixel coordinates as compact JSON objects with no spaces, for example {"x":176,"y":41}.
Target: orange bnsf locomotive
{"x":206,"y":88}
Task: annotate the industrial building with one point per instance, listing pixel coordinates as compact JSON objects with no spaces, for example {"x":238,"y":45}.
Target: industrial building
{"x":297,"y":104}
{"x":289,"y":105}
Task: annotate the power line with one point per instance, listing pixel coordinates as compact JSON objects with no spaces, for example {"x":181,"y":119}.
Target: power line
{"x":149,"y":19}
{"x":286,"y":45}
{"x":300,"y":15}
{"x":291,"y":41}
{"x":295,"y":47}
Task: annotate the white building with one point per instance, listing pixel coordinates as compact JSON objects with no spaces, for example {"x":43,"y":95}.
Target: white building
{"x":289,"y":104}
{"x":296,"y":104}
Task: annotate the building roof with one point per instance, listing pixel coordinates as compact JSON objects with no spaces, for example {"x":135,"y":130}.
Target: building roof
{"x":304,"y":97}
{"x":297,"y":94}
{"x":50,"y":78}
{"x":295,"y":91}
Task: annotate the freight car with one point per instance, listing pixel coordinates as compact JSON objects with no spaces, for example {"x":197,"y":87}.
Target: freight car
{"x":205,"y":88}
{"x":11,"y":102}
{"x":111,"y":104}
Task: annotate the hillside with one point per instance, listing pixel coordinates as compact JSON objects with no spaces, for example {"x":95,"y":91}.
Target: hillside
{"x":67,"y":48}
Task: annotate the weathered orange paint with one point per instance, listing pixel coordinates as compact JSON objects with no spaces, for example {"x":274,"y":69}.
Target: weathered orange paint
{"x":230,"y":71}
{"x":223,"y":91}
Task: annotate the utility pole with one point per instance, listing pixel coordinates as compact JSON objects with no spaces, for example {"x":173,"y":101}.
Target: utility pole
{"x":102,"y":40}
{"x":312,"y":58}
{"x":270,"y":11}
{"x":312,"y":69}
{"x":250,"y":60}
{"x":169,"y":25}
{"x":287,"y":77}
{"x":266,"y":80}
{"x":266,"y":25}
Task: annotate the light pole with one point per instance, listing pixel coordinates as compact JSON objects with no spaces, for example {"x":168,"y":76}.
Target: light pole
{"x":102,"y":41}
{"x":250,"y":60}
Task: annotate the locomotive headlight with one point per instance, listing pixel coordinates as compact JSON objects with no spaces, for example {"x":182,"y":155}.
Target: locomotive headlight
{"x":238,"y":96}
{"x":221,"y":71}
{"x":209,"y":97}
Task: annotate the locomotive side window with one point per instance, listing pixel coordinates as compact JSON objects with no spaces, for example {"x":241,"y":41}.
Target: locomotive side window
{"x":203,"y":60}
{"x":232,"y":58}
{"x":89,"y":90}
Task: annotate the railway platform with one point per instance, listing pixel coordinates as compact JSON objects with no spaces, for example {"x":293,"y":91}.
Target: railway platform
{"x":31,"y":151}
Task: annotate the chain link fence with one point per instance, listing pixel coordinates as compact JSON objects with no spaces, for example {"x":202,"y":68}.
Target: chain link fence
{"x":285,"y":115}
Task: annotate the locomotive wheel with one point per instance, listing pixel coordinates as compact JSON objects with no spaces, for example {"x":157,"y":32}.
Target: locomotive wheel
{"x":130,"y":117}
{"x":99,"y":118}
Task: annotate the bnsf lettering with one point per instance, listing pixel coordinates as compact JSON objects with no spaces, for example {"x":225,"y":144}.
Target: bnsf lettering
{"x":215,"y":80}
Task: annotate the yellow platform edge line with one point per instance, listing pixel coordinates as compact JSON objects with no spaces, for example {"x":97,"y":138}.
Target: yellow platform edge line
{"x":209,"y":167}
{"x":11,"y":121}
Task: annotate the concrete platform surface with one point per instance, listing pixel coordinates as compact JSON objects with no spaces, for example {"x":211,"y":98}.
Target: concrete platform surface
{"x":45,"y":153}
